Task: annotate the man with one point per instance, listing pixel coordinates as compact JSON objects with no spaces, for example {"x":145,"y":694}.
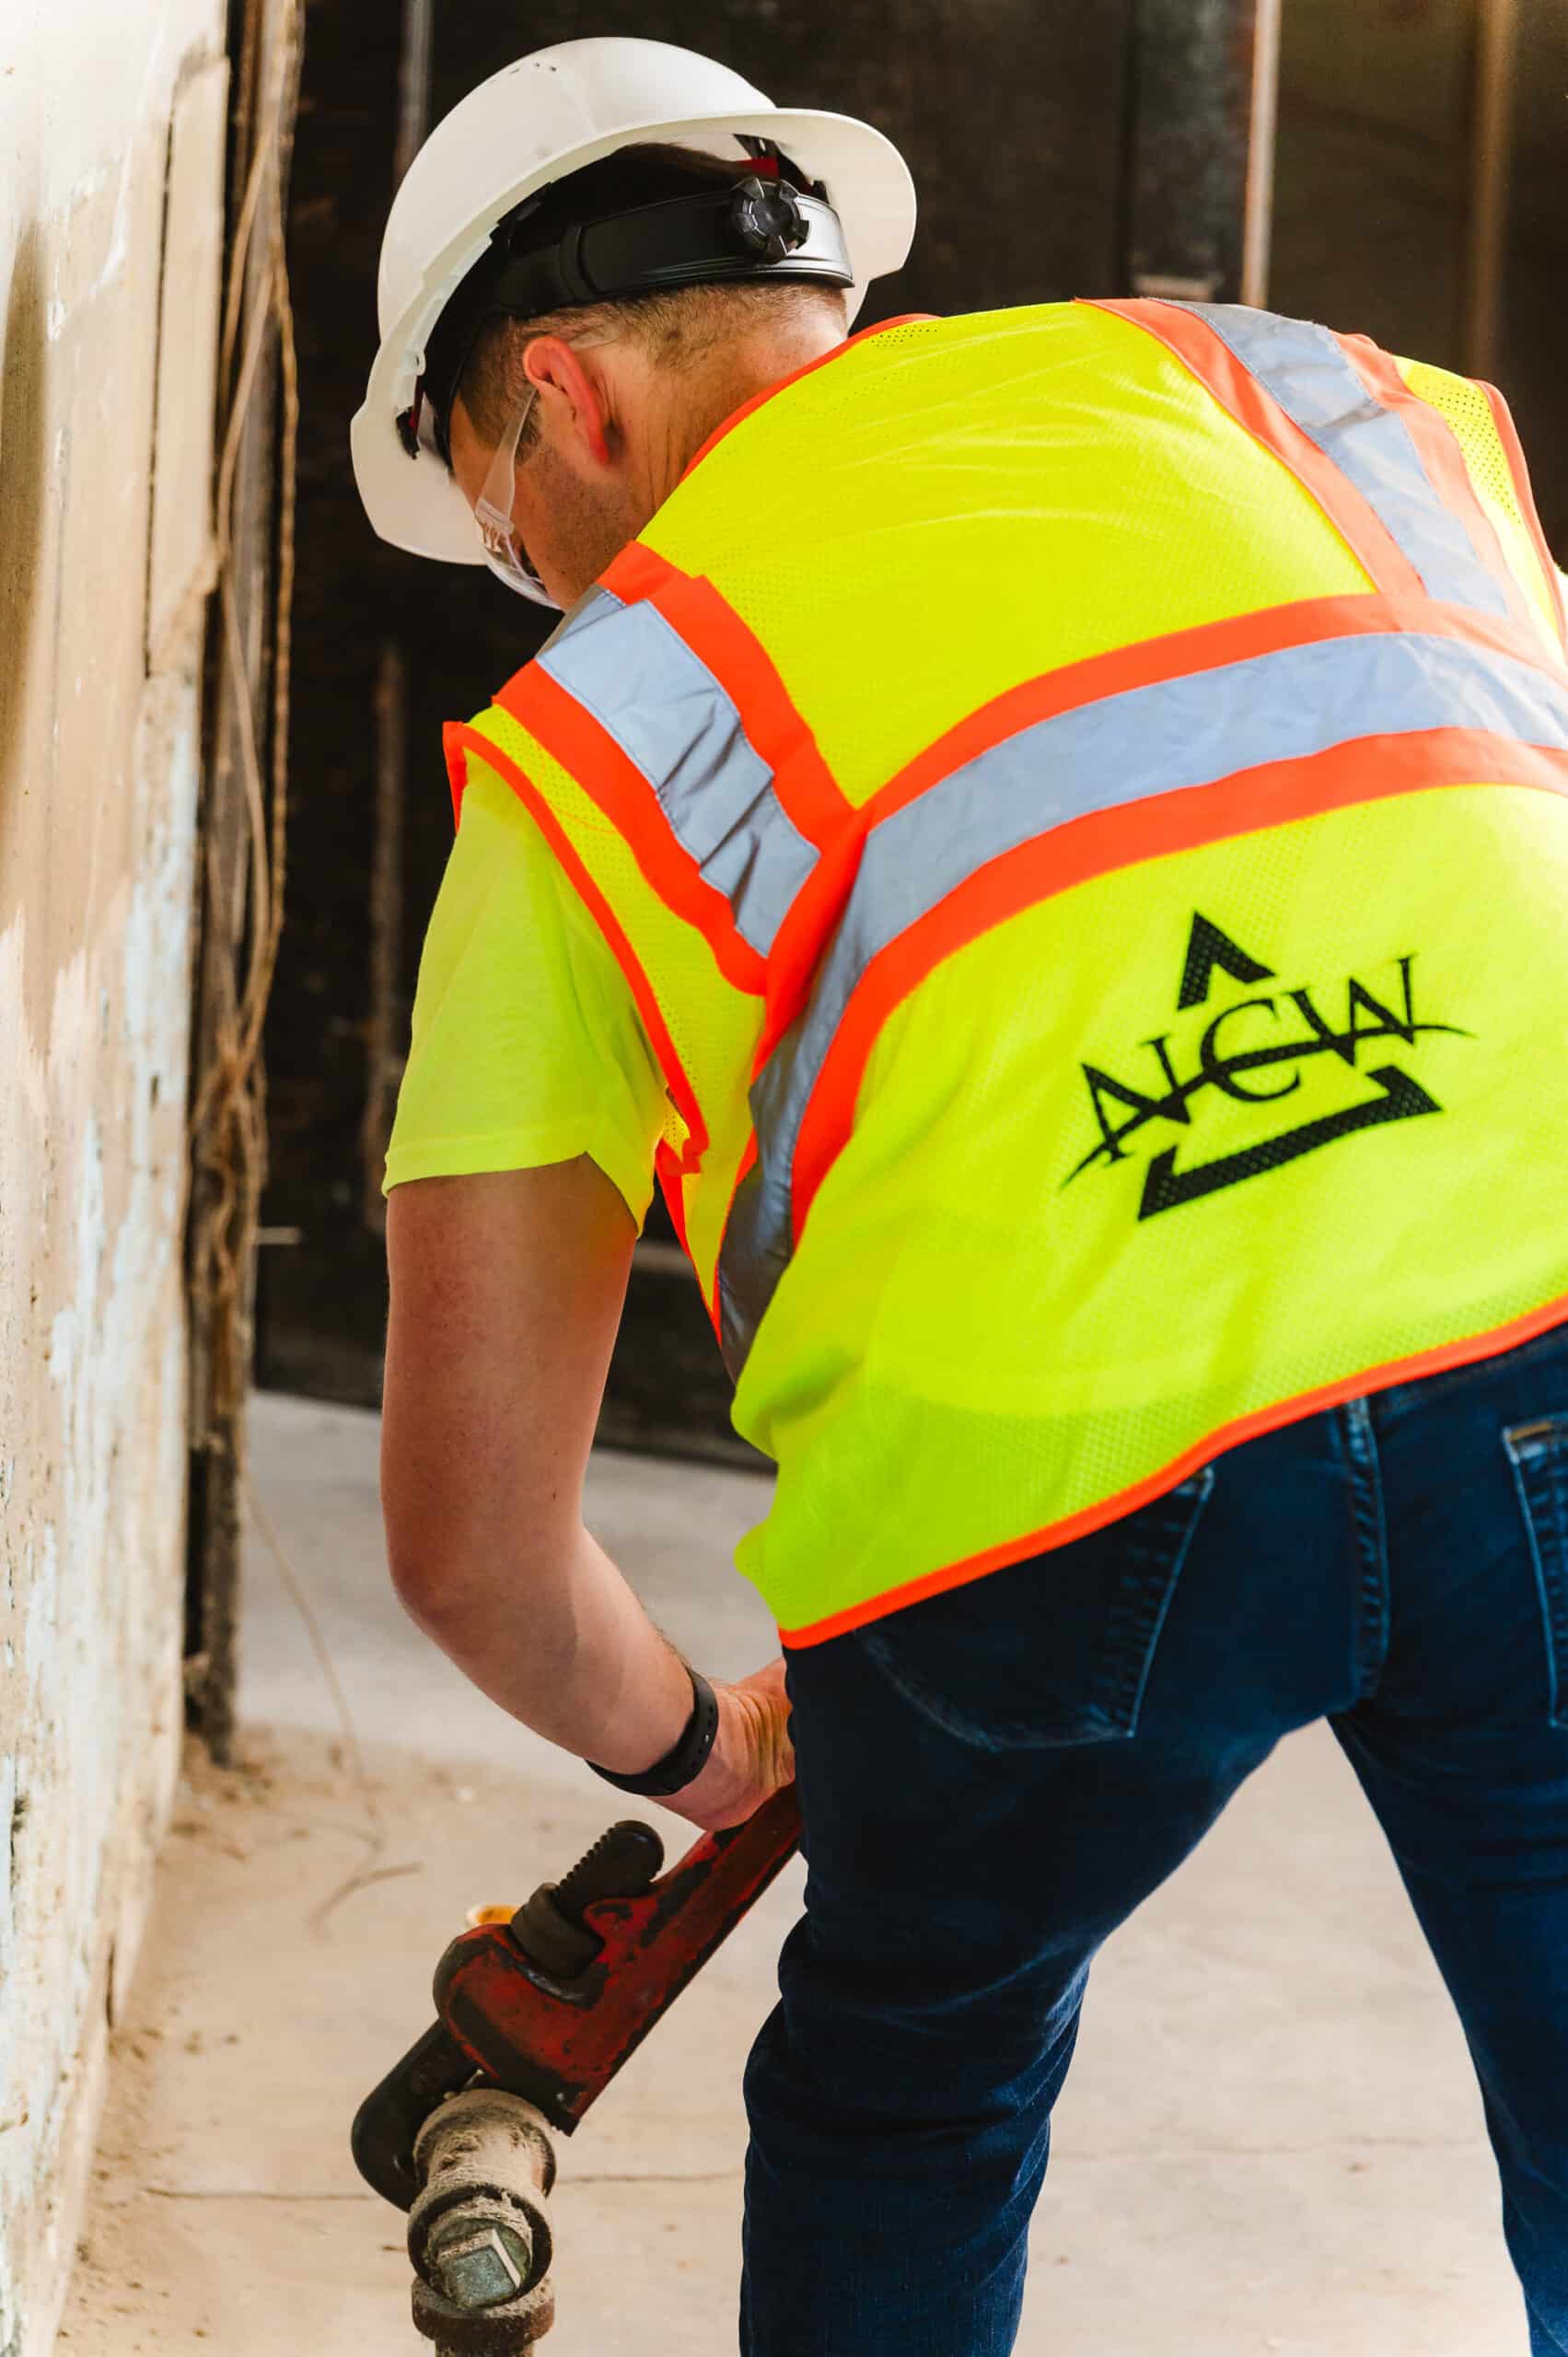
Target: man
{"x":1046,"y":832}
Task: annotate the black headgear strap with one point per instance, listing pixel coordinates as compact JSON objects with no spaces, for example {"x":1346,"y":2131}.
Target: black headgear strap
{"x":752,"y":231}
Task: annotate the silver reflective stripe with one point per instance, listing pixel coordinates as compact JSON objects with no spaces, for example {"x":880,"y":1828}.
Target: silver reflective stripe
{"x":1123,"y":749}
{"x":675,"y":722}
{"x":592,"y":600}
{"x":1307,"y":372}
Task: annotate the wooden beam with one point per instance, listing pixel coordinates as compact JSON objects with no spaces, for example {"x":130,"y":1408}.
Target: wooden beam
{"x":237,"y":868}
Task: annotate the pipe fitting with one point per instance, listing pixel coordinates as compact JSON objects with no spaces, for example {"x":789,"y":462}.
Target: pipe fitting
{"x":479,"y":2231}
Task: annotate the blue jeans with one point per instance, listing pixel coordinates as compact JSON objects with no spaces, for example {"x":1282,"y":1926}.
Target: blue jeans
{"x":995,"y":1777}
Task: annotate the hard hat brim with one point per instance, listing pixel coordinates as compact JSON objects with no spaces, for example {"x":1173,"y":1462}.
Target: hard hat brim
{"x":413,"y":502}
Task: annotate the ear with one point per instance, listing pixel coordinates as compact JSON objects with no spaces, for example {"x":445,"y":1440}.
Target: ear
{"x":577,"y":392}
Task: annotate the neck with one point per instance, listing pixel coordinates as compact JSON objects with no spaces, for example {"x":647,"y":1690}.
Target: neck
{"x":699,"y":402}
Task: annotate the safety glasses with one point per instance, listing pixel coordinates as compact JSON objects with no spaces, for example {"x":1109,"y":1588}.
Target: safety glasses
{"x":503,"y":552}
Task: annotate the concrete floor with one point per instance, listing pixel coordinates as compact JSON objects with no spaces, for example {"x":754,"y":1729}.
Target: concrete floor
{"x":1271,"y":2140}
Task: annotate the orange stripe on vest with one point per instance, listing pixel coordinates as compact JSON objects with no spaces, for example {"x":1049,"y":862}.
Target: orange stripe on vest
{"x":590,"y":754}
{"x":1370,"y":769}
{"x":1437,"y":448}
{"x":1206,"y":356}
{"x":1141,"y":1494}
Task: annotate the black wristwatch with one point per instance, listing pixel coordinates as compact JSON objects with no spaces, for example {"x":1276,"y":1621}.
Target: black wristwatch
{"x":676,"y":1769}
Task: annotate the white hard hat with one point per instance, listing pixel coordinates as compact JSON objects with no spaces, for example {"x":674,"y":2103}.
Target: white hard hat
{"x":535,"y":122}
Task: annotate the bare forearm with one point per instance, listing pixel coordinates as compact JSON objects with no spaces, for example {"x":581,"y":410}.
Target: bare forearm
{"x":505,"y":1290}
{"x":575,"y":1657}
{"x":566,"y":1648}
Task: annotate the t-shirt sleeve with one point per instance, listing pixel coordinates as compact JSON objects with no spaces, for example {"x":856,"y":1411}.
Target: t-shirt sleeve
{"x":528,"y":1047}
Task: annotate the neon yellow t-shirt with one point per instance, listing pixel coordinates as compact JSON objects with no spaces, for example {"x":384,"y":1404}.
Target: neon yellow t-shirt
{"x":528,"y":1047}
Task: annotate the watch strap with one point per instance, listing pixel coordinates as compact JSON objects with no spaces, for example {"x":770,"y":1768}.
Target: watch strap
{"x":685,"y":1759}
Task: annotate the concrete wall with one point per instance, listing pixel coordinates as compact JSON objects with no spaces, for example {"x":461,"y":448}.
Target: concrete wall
{"x":112,"y":119}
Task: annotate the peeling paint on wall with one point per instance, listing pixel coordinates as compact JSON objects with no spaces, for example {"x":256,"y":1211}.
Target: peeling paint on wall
{"x":99,"y":778}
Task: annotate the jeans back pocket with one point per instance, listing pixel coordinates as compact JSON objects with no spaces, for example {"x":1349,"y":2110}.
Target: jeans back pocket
{"x":1538,"y":1452}
{"x":1052,"y":1651}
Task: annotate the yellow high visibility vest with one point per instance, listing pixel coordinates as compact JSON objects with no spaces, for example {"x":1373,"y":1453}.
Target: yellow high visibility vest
{"x":1078,"y":796}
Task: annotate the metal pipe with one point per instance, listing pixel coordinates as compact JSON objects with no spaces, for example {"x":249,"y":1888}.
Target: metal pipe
{"x":1202,"y":77}
{"x":1491,"y":152}
{"x":414,"y":83}
{"x":1259,"y":200}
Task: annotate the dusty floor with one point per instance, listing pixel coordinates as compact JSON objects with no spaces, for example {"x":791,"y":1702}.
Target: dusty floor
{"x":1270,"y":2141}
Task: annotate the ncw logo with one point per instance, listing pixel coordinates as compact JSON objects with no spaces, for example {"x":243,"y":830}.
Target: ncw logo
{"x":1252,"y":1049}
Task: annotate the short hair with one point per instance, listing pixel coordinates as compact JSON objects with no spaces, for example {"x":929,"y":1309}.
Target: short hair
{"x":678,"y":325}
